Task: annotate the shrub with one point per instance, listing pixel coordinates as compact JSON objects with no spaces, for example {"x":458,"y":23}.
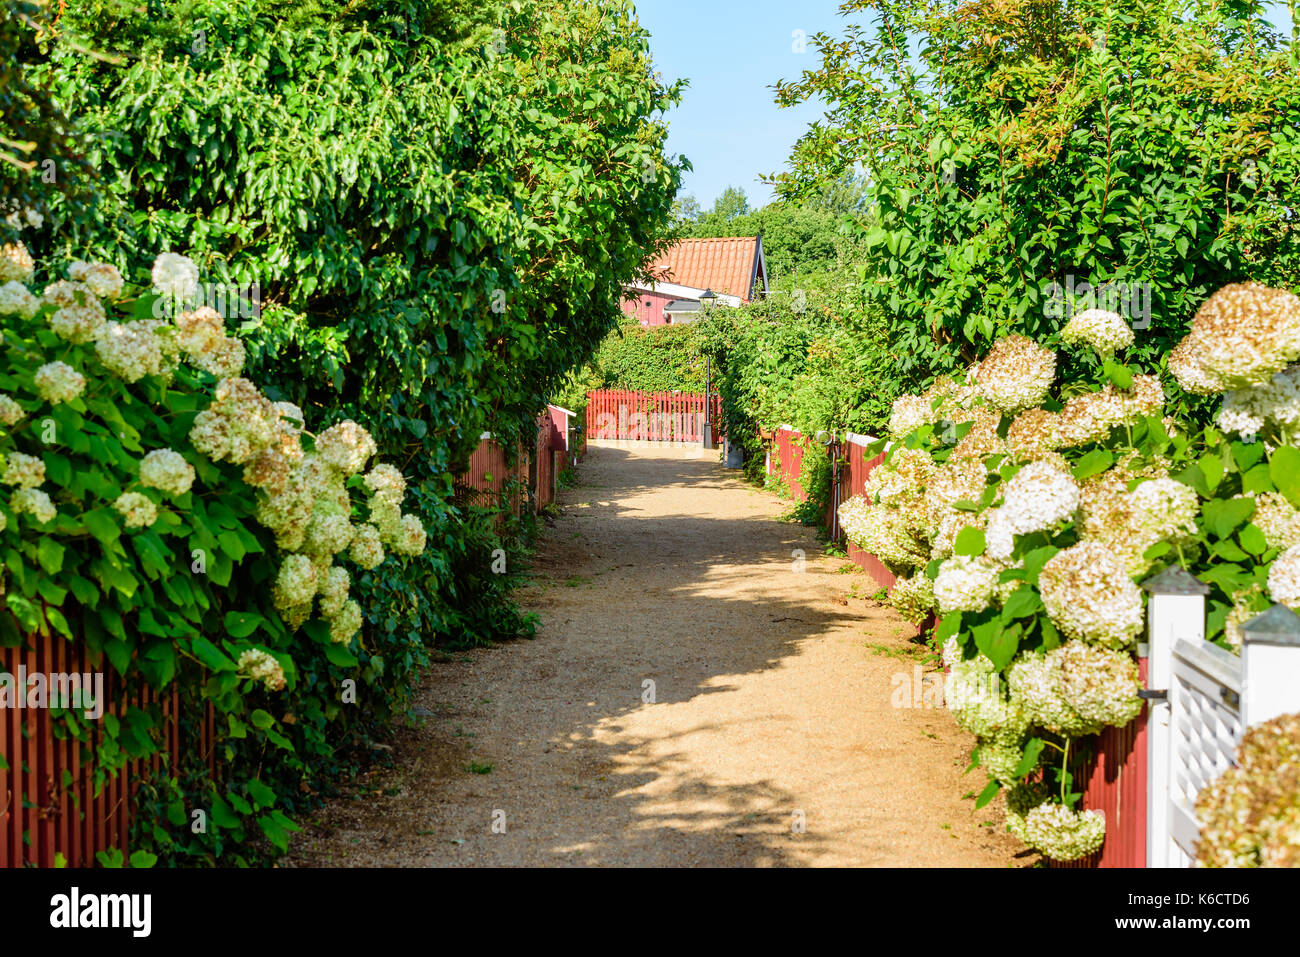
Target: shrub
{"x":1035,"y":507}
{"x":166,"y":513}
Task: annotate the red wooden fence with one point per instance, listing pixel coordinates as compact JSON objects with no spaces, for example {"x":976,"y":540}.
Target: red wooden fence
{"x":1114,"y":781}
{"x":626,"y":415}
{"x":785,"y":461}
{"x":49,"y":800}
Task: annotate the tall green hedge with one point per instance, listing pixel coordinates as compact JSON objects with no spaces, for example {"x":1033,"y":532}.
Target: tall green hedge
{"x":438,"y":202}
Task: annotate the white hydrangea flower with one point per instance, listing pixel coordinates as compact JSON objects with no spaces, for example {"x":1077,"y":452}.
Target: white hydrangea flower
{"x":1240,"y":337}
{"x":346,"y":623}
{"x":167,"y":471}
{"x":913,"y":598}
{"x":175,"y":276}
{"x":1102,"y":329}
{"x":1087,"y":593}
{"x":411,"y":536}
{"x":328,"y":532}
{"x":347,"y":446}
{"x":138,"y":511}
{"x":367,"y":550}
{"x":291,"y":416}
{"x":1284,"y":578}
{"x":224,"y":360}
{"x":1164,"y":508}
{"x":964,"y":584}
{"x":58,"y":382}
{"x":25,"y":471}
{"x":260,"y":666}
{"x":1038,"y":497}
{"x":296,"y":583}
{"x":34,"y":502}
{"x":238,"y":425}
{"x":979,"y":702}
{"x":1016,"y":374}
{"x":10,"y":411}
{"x":1063,"y":834}
{"x":386,"y":483}
{"x":334,"y":591}
{"x":16,"y":263}
{"x":17,"y":300}
{"x":1077,"y":688}
{"x":1247,"y":412}
{"x":130,"y":350}
{"x":103,"y":279}
{"x":909,"y":413}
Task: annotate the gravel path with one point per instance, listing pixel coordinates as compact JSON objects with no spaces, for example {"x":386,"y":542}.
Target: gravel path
{"x":770,"y":740}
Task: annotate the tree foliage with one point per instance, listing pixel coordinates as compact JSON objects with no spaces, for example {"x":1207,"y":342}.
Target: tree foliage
{"x":437,"y":204}
{"x":1149,"y":144}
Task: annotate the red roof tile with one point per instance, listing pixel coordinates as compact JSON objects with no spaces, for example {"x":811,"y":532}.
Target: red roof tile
{"x":725,"y":265}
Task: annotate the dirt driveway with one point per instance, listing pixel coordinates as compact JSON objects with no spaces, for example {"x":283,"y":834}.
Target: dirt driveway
{"x":695,"y":696}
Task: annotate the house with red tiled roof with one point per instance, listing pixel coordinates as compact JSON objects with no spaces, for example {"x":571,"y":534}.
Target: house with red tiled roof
{"x":732,"y":268}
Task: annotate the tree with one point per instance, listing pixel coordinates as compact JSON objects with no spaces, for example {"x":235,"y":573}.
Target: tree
{"x":1032,"y":147}
{"x":686,"y":208}
{"x":730,"y":204}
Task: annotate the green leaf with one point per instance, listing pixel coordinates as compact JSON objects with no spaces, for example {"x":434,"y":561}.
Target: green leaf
{"x":988,"y":794}
{"x":1224,"y":516}
{"x":241,"y":624}
{"x":211,"y":656}
{"x":1247,"y":454}
{"x":1284,"y":468}
{"x":1024,"y":601}
{"x":970,"y":541}
{"x":260,"y":793}
{"x":1004,"y":646}
{"x":1118,"y":374}
{"x":339,"y":655}
{"x":50,"y":554}
{"x":143,"y":859}
{"x":101,"y":524}
{"x":274,"y":832}
{"x":261,"y":719}
{"x":1212,"y":468}
{"x":1094,"y":463}
{"x":1257,"y":480}
{"x":1227,"y":548}
{"x":1029,"y":761}
{"x":1252,"y":540}
{"x":222,"y":815}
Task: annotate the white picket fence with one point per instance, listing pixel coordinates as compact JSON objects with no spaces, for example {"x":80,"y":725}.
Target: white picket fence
{"x":1202,"y":698}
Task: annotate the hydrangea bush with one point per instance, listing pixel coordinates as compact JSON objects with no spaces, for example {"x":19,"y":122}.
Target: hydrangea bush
{"x":1035,"y":508}
{"x":158,"y":507}
{"x":1250,"y":815}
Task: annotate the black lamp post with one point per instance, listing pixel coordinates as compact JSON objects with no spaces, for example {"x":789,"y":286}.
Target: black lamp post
{"x":707,"y":299}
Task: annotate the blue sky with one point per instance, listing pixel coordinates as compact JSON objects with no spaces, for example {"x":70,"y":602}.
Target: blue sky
{"x":733,"y":51}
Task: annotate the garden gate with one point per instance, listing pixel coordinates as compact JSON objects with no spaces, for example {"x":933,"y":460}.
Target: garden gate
{"x":1202,"y":700}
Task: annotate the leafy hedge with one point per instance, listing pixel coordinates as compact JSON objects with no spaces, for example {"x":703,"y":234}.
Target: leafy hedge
{"x":1024,"y":510}
{"x":436,"y":203}
{"x":1145,"y":144}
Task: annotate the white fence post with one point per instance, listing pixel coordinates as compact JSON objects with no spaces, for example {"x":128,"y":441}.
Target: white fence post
{"x":1176,"y":610}
{"x":1270,"y":666}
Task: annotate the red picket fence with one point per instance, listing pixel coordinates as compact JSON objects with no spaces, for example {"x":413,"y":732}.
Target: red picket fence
{"x":535,"y":472}
{"x":1114,"y":781}
{"x":850,"y":468}
{"x":625,"y":415}
{"x":785,"y":460}
{"x":50,"y":801}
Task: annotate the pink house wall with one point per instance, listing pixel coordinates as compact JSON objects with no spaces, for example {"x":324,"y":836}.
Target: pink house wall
{"x":649,"y":309}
